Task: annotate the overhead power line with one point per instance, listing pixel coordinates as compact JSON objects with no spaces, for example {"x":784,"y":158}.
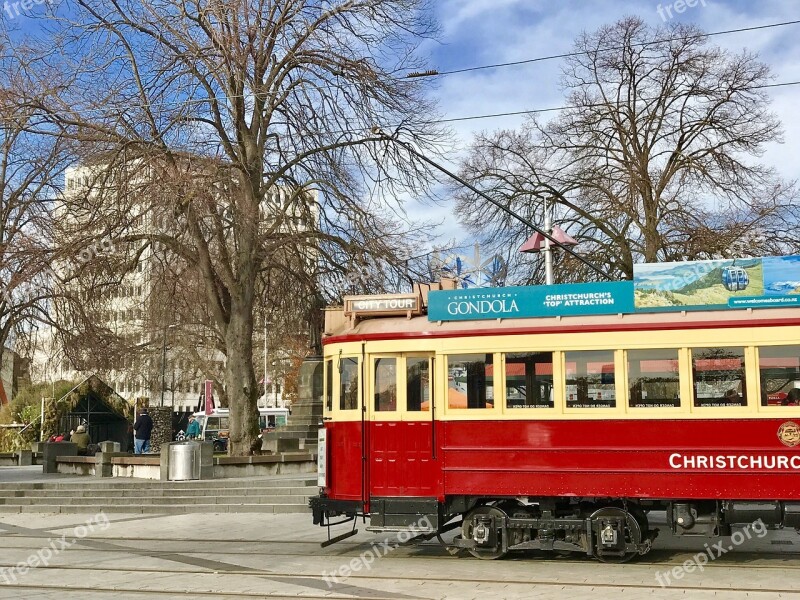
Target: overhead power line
{"x":435,"y":73}
{"x":534,"y":111}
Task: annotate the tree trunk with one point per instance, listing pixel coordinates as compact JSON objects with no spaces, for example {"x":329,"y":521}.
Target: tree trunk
{"x":240,"y":382}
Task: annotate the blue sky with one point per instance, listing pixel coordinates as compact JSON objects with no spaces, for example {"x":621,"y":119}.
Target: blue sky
{"x":478,"y":32}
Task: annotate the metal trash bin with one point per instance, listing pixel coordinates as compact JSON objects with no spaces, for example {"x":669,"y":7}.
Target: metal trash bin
{"x":184,"y":461}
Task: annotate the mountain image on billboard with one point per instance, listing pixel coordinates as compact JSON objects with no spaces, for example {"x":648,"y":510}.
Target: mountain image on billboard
{"x":710,"y":283}
{"x":781,"y":275}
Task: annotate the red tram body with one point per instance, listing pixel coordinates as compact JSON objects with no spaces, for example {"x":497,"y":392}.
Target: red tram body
{"x":561,"y":433}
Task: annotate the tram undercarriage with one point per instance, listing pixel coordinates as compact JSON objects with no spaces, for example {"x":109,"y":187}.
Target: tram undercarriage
{"x":610,"y":530}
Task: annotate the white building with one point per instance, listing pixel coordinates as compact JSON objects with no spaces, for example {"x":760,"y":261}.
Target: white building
{"x":163,"y":371}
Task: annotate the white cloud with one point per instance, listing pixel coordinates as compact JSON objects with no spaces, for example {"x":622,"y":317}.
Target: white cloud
{"x":478,"y":32}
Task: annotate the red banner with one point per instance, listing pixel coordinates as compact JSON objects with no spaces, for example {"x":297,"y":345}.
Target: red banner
{"x":209,"y":388}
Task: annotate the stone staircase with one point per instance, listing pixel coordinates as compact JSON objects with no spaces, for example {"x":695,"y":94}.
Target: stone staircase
{"x":260,"y":495}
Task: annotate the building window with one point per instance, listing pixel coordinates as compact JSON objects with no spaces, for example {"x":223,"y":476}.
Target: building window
{"x":417,"y":384}
{"x":779,"y":369}
{"x":590,"y":379}
{"x":653,"y":378}
{"x":348,"y":388}
{"x":385,"y":384}
{"x":470,"y":381}
{"x":529,"y":380}
{"x":718,"y":375}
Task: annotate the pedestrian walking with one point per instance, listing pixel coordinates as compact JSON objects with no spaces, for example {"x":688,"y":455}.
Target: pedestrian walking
{"x":193,"y":429}
{"x":143,"y":427}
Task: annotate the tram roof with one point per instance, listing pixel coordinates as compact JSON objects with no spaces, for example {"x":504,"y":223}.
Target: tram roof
{"x":398,"y":327}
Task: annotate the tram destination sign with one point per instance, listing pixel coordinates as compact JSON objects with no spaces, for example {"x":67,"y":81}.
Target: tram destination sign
{"x":531,"y":301}
{"x":388,"y":304}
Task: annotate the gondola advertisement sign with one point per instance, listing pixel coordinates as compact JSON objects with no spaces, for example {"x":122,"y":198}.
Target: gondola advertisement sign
{"x":656,"y":287}
{"x":717,"y":284}
{"x":531,"y":301}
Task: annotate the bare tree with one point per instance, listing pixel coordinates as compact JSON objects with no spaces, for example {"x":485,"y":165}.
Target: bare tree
{"x":236,"y":120}
{"x":651,"y":160}
{"x":32,"y":155}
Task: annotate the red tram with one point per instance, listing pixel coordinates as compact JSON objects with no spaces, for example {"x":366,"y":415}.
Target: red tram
{"x":558,"y":432}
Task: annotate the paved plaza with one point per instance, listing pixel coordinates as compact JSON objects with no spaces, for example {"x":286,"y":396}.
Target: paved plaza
{"x":278,"y":556}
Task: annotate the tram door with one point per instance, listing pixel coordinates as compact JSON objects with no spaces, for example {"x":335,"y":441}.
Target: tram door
{"x":402,"y":434}
{"x":345,"y":431}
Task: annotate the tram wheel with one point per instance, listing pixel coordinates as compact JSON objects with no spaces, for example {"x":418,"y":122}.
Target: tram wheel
{"x":633,"y":534}
{"x":468,"y":530}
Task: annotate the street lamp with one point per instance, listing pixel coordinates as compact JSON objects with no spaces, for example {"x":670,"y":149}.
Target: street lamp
{"x":164,"y":362}
{"x":266,"y":323}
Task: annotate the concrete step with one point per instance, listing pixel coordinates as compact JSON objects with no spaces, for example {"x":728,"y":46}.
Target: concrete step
{"x":304,"y":428}
{"x":154,"y":500}
{"x":157,"y":508}
{"x":288,"y":434}
{"x":120,"y":483}
{"x":167,"y":493}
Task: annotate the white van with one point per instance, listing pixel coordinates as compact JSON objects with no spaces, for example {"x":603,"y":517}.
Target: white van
{"x":215,"y":426}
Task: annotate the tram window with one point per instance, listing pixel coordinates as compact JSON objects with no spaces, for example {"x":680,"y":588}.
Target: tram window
{"x":417,"y":385}
{"x":329,"y":384}
{"x":348,"y":388}
{"x":385,"y":384}
{"x":529,"y":380}
{"x":719,"y":377}
{"x":779,"y":368}
{"x":470,"y":381}
{"x":653,"y":378}
{"x":590,"y":379}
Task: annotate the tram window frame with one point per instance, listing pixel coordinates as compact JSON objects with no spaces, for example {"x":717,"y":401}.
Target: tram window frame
{"x":343,"y":405}
{"x":376,"y":401}
{"x":792,"y":394}
{"x":426,"y":360}
{"x":604,"y":357}
{"x":733,"y":397}
{"x":329,"y":385}
{"x":675,"y":356}
{"x":470,"y":378}
{"x":532,"y":381}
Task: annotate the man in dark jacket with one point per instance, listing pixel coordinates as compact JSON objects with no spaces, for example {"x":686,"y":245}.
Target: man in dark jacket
{"x":142,"y":428}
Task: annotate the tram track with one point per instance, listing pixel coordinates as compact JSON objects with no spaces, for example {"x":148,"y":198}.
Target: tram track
{"x":361,"y":581}
{"x":433,"y":552}
{"x":255,"y":572}
{"x":540,"y":559}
